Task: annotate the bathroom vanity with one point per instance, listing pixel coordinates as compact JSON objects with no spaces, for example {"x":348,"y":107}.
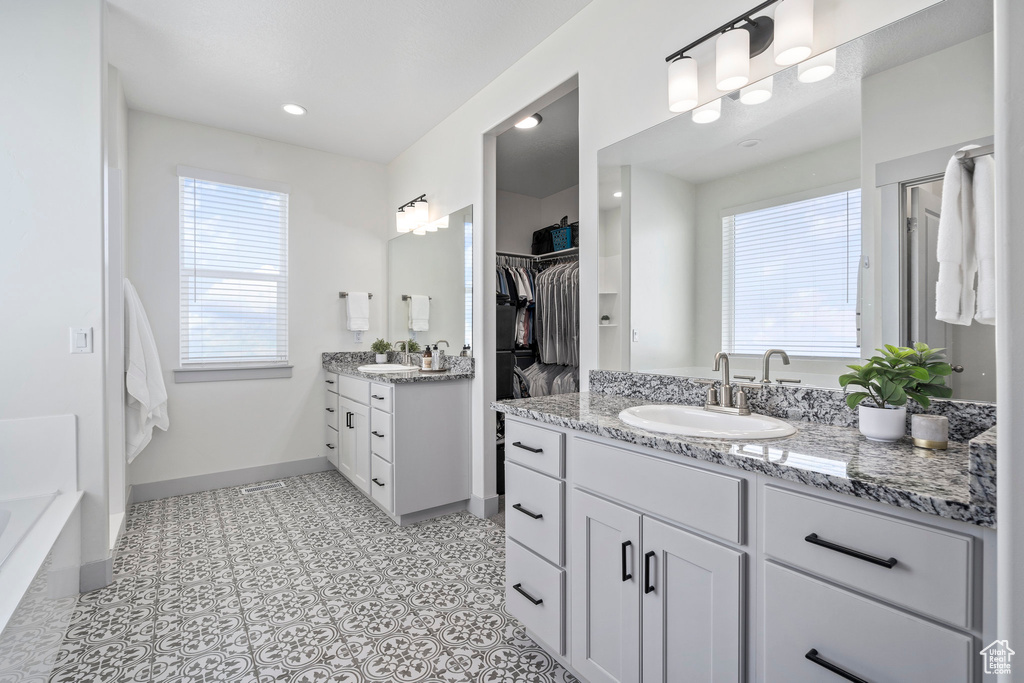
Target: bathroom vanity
{"x":633,"y":555}
{"x":402,"y":438}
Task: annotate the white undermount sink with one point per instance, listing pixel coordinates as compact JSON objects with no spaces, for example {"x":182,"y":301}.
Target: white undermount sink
{"x":381,"y":368}
{"x":691,"y":421}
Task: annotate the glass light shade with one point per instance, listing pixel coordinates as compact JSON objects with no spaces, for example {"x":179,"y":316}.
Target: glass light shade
{"x":402,"y":221}
{"x":442,"y":222}
{"x":420,"y":231}
{"x":431,"y":227}
{"x":421,"y":211}
{"x":794,"y":31}
{"x":817,"y":68}
{"x":732,"y":59}
{"x":682,"y":84}
{"x":758,"y":92}
{"x":711,"y":111}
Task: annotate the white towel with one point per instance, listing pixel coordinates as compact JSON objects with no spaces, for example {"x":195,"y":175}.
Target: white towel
{"x":147,"y":396}
{"x":419,"y":313}
{"x":954,"y":294}
{"x":358,"y":311}
{"x":985,"y":238}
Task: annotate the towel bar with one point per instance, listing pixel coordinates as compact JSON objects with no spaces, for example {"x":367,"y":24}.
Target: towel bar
{"x":406,"y":297}
{"x":342,"y":295}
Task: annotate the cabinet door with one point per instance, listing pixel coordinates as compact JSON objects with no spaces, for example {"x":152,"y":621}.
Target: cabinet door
{"x":606,"y":575}
{"x":692,"y":607}
{"x":361,"y":447}
{"x":346,"y":437}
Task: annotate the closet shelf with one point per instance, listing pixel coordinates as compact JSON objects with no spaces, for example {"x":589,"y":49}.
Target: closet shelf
{"x":607,"y":292}
{"x":608,"y":325}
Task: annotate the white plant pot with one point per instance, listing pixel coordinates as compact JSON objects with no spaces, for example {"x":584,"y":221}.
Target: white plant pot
{"x":882,"y":424}
{"x":382,"y":358}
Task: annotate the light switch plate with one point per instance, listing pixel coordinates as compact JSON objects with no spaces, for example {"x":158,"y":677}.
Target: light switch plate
{"x":357,"y":336}
{"x":636,"y":336}
{"x":81,"y":340}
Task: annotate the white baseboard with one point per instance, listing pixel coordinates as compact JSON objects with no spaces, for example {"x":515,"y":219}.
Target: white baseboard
{"x":218,"y":480}
{"x":483,"y":507}
{"x":95,"y":575}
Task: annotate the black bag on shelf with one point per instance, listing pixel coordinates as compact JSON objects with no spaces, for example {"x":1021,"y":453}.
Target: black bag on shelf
{"x":561,"y":235}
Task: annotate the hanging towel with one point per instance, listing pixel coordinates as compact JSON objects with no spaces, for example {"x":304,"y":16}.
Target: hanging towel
{"x":146,"y":398}
{"x":954,"y":294}
{"x":985,"y":238}
{"x":419,"y":313}
{"x":358,"y":311}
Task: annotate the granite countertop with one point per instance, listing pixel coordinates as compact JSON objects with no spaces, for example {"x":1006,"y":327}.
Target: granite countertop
{"x":824,"y":456}
{"x":348,"y":363}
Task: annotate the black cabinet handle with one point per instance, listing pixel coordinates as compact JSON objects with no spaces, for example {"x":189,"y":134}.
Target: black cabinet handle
{"x":527,"y":448}
{"x":625,"y":547}
{"x":374,"y":480}
{"x":375,"y":397}
{"x":329,"y":381}
{"x":519,"y":589}
{"x":348,"y":420}
{"x":329,"y":410}
{"x":888,"y":564}
{"x":534,"y":515}
{"x":375,"y":433}
{"x":812,"y":655}
{"x":648,"y":586}
{"x":330,"y":446}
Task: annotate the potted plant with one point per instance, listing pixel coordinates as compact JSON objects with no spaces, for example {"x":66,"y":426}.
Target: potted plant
{"x":381,"y":348}
{"x":887,"y":381}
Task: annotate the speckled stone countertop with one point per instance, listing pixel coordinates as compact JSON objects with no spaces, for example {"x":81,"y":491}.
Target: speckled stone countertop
{"x":829,"y":457}
{"x":347,"y":363}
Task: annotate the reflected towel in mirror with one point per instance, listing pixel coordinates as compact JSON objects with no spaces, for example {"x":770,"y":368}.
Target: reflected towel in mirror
{"x":419,"y":313}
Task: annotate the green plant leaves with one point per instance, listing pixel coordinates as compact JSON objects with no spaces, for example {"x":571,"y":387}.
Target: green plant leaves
{"x":852,"y":400}
{"x":899,"y":373}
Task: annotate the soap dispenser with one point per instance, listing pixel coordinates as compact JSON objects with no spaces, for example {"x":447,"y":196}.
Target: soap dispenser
{"x":438,"y":358}
{"x":428,"y":358}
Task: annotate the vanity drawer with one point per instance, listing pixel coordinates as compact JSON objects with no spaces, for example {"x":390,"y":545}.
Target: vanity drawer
{"x":867,"y":639}
{"x":331,"y":409}
{"x":536,"y":447}
{"x":528,"y":494}
{"x":382,"y":397}
{"x":702,"y":500}
{"x":381,"y":487}
{"x":331,"y":445}
{"x":331,"y":382}
{"x":356,"y":389}
{"x":381,"y":434}
{"x":540,"y":605}
{"x":932,"y":574}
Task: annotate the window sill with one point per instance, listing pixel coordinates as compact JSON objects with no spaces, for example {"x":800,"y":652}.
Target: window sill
{"x":229,"y":374}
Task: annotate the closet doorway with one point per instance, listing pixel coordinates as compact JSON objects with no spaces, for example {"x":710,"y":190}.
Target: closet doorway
{"x":536,"y":296}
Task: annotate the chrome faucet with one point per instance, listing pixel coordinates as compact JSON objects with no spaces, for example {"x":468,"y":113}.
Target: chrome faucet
{"x":725,"y":402}
{"x":767,"y":361}
{"x":404,"y":345}
{"x":725,"y":393}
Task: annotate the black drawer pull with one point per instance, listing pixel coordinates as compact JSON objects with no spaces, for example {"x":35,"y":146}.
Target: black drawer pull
{"x":374,"y":480}
{"x":375,"y":433}
{"x":330,"y":446}
{"x":527,"y":448}
{"x":648,"y":586}
{"x":812,"y":655}
{"x":348,"y":420}
{"x":888,"y":564}
{"x":377,"y":398}
{"x":329,"y":410}
{"x":534,"y":515}
{"x":519,"y":589}
{"x":625,"y":551}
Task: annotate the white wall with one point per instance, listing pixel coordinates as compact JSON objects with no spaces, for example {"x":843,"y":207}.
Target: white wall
{"x":662,"y":232}
{"x":337,"y":212}
{"x":519,"y":215}
{"x":614,"y":50}
{"x":51,"y":264}
{"x":555,"y":206}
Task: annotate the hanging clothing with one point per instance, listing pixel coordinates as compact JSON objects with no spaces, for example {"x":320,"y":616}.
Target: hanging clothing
{"x":558,"y":322}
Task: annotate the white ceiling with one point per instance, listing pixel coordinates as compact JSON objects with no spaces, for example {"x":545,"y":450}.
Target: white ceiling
{"x":374,"y":75}
{"x":543,"y":160}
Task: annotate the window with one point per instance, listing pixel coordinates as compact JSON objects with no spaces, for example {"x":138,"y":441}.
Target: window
{"x":789,"y":277}
{"x":234,"y":272}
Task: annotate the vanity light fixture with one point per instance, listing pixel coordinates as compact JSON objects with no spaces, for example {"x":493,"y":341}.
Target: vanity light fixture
{"x":682,"y":84}
{"x":530,"y":121}
{"x":794,"y":31}
{"x":294,"y":109}
{"x":759,"y":92}
{"x":412,"y":216}
{"x":442,"y":222}
{"x":708,"y":113}
{"x":817,"y":68}
{"x":732,"y":59}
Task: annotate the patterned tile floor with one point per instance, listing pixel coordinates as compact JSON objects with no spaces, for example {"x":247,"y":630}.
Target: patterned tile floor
{"x":310,"y":583}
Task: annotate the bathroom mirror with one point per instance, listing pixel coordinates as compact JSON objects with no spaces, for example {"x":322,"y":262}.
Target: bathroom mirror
{"x":439,"y":265}
{"x":806,"y":222}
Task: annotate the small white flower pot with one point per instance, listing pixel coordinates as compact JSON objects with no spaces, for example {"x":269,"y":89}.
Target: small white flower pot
{"x":382,"y":358}
{"x":882,"y":424}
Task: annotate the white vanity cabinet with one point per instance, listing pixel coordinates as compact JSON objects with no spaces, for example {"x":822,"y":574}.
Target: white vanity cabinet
{"x":406,"y":446}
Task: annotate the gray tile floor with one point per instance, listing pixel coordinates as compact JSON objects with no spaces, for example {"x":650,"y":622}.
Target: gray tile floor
{"x":310,"y":583}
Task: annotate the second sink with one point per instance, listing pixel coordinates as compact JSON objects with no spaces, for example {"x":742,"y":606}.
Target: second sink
{"x":691,"y":421}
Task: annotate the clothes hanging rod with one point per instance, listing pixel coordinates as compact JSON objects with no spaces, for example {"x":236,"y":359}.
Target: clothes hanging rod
{"x":342,"y":295}
{"x":406,"y":297}
{"x":533,"y":257}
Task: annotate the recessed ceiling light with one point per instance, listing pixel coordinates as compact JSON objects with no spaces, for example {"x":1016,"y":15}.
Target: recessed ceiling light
{"x":530,"y":121}
{"x":753,"y":142}
{"x":294,"y":109}
{"x":617,"y":195}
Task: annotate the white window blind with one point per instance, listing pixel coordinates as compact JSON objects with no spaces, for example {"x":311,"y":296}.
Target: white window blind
{"x":789,"y":278}
{"x":234,"y":270}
